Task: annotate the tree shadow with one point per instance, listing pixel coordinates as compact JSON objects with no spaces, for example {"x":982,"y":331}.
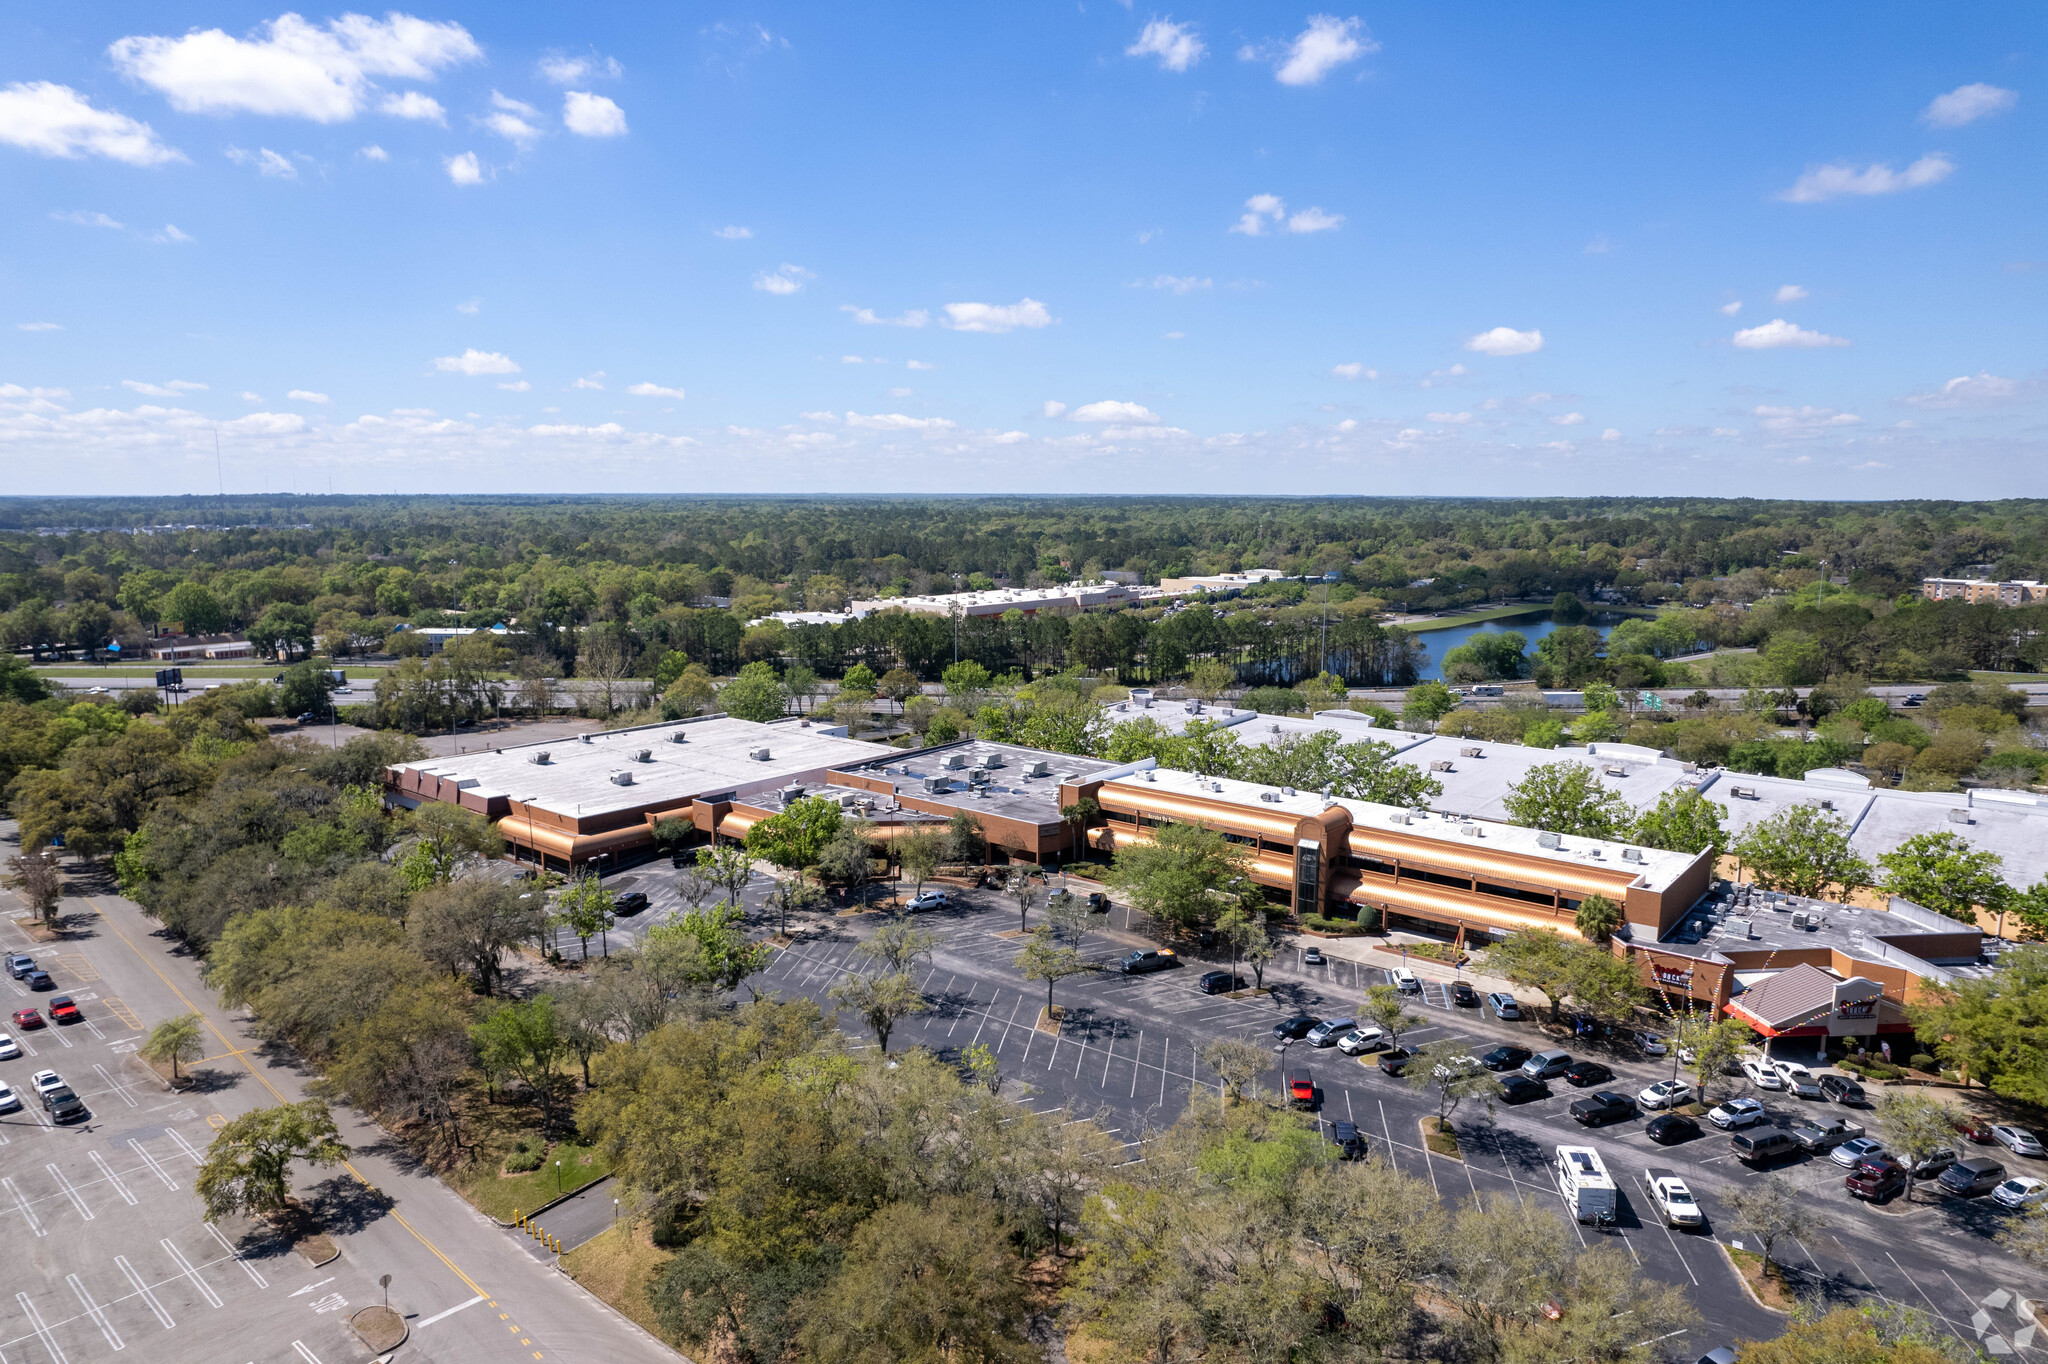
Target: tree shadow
{"x":211,"y":1081}
{"x":343,"y":1204}
{"x":1519,"y":1151}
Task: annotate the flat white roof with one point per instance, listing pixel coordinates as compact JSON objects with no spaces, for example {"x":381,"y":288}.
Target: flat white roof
{"x":1002,"y":599}
{"x":1478,"y":785}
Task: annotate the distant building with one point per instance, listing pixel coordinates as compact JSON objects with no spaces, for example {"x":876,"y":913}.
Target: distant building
{"x":2014,"y":592}
{"x":440,"y":637}
{"x":1029,"y":600}
{"x":1218,"y":584}
{"x":188,"y":648}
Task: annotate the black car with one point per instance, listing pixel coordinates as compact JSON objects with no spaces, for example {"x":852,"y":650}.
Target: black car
{"x":1519,"y":1089}
{"x":1670,"y":1129}
{"x":1098,"y":903}
{"x":39,"y":979}
{"x":1463,"y":995}
{"x":67,"y":1107}
{"x":1843,"y":1090}
{"x":1295,"y":1028}
{"x":632,"y":902}
{"x":1585,"y":1074}
{"x":1219,"y":983}
{"x":1504,"y":1057}
{"x":1394,"y":1060}
{"x":1345,"y":1137}
{"x":1602,"y":1108}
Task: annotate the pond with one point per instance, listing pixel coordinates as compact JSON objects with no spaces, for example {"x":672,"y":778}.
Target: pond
{"x":1531,"y":625}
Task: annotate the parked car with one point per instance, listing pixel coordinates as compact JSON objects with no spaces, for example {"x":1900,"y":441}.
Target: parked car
{"x":1602,"y":1108}
{"x":1504,"y":1006}
{"x":1394,"y":1060}
{"x":1219,"y":983}
{"x":631,"y":903}
{"x":27,"y":1018}
{"x":1463,"y":995}
{"x":1345,"y":1137}
{"x":1669,"y":1129}
{"x":1652,"y":1044}
{"x":2017,"y":1140}
{"x":1929,"y":1166}
{"x":62,"y":1010}
{"x":1359,"y":1041}
{"x":1301,"y":1089}
{"x":1843,"y":1090}
{"x":1098,"y":903}
{"x":1326,"y":1033}
{"x":9,"y":1100}
{"x":1295,"y":1028}
{"x":931,"y":899}
{"x":1313,"y":957}
{"x":19,"y":966}
{"x":1148,"y":959}
{"x":1762,"y":1074}
{"x":1968,"y":1178}
{"x":1673,"y":1199}
{"x":1824,"y":1133}
{"x":1665,"y":1094}
{"x":9,"y":1048}
{"x":1543,"y":1065}
{"x":2021,"y":1191}
{"x":1736,"y":1113}
{"x":43,"y":1081}
{"x":1504,"y":1057}
{"x":1856,"y":1149}
{"x":39,"y":979}
{"x":65,"y":1106}
{"x":1406,"y":981}
{"x":1798,"y":1079}
{"x":1519,"y":1089}
{"x":1760,"y":1148}
{"x":1457,"y":1066}
{"x":1877,"y":1179}
{"x":1584,"y":1074}
{"x":1974,"y":1128}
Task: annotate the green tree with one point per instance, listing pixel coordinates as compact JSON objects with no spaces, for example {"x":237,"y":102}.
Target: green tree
{"x":723,"y":958}
{"x":1186,"y":875}
{"x":1945,"y":873}
{"x":847,"y":856}
{"x":284,"y":631}
{"x":1915,"y":1128}
{"x":1873,"y":1333}
{"x":1237,"y":1064}
{"x":1684,"y":821}
{"x":1771,"y":1210}
{"x":524,"y":1038}
{"x":467,"y":926}
{"x":409,"y":1057}
{"x":918,"y":848}
{"x":1598,"y":918}
{"x":671,"y":832}
{"x":898,"y":685}
{"x":728,"y":866}
{"x":248,"y":1163}
{"x":1802,"y":849}
{"x":1046,"y":958}
{"x":1018,"y":886}
{"x":859,"y":680}
{"x":1994,"y":1028}
{"x":966,"y":682}
{"x":197,"y":611}
{"x":899,"y":945}
{"x":175,"y":1040}
{"x":446,"y":836}
{"x":691,"y":693}
{"x":1387,"y":1009}
{"x":41,"y":882}
{"x":756,"y":694}
{"x":1428,"y":702}
{"x":584,"y":907}
{"x":1715,"y":1046}
{"x":881,"y":1001}
{"x":1444,"y":1069}
{"x":1566,"y":797}
{"x":794,"y":839}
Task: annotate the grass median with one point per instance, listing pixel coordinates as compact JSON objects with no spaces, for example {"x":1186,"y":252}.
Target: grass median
{"x":499,"y":1194}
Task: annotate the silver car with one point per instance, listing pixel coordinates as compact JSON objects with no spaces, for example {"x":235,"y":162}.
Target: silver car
{"x":1856,"y":1150}
{"x":1326,"y":1033}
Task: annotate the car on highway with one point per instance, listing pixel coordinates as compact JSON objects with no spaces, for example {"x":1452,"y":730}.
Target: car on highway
{"x":1915,"y":699}
{"x":1295,"y":1028}
{"x":1345,"y":1137}
{"x":1798,"y":1079}
{"x":1586,"y":1074}
{"x":931,"y":899}
{"x":1360,"y":1040}
{"x":1968,"y":1178}
{"x":19,"y":965}
{"x":1504,"y":1057}
{"x":1762,"y":1074}
{"x":9,"y":1048}
{"x":2021,"y":1191}
{"x":2017,"y":1140}
{"x":1504,"y":1006}
{"x":1601,"y":1108}
{"x":1520,"y":1089}
{"x":1326,"y":1033}
{"x":1219,"y":983}
{"x":631,"y":903}
{"x":63,"y":1010}
{"x":1314,"y":957}
{"x":1736,"y":1113}
{"x":1394,"y":1060}
{"x":1876,"y":1179}
{"x":1148,"y":959}
{"x":1463,"y":995}
{"x":1843,"y":1090}
{"x":1669,"y":1129}
{"x":1856,"y":1149}
{"x":9,"y":1100}
{"x":1406,"y":981}
{"x":1301,"y":1089}
{"x":1665,"y":1094}
{"x":27,"y":1018}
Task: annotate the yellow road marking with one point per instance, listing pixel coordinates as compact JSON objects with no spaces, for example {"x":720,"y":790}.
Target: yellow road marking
{"x":216,"y":1121}
{"x":118,"y":1007}
{"x":75,"y":965}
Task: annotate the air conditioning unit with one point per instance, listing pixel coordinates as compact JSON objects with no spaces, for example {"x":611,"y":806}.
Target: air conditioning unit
{"x":1826,"y":804}
{"x":1743,"y":792}
{"x":1286,"y":790}
{"x":1741,"y":928}
{"x":1469,"y":753}
{"x":541,"y":759}
{"x":1631,"y":854}
{"x":1595,"y":853}
{"x":622,"y":779}
{"x":1615,"y":770}
{"x":759,"y":755}
{"x":1397,"y":818}
{"x":1038,"y":768}
{"x":938,"y":786}
{"x":977,"y":776}
{"x":585,"y":738}
{"x":1798,"y":919}
{"x":1961,"y":817}
{"x":1149,"y":774}
{"x":1550,"y":841}
{"x":992,"y":760}
{"x":1270,"y":797}
{"x":955,"y":761}
{"x":1441,"y":765}
{"x":1470,"y":831}
{"x":1215,"y":786}
{"x":645,"y":755}
{"x":679,"y":738}
{"x":1194,"y":707}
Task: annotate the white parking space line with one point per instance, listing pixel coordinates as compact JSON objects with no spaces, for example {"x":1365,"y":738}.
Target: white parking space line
{"x":305,"y":1353}
{"x":92,"y":1309}
{"x":116,"y":1086}
{"x":184,"y":1146}
{"x":107,"y":1173}
{"x":22,"y":1203}
{"x":449,"y":1312}
{"x":236,"y":1255}
{"x":69,"y":1192}
{"x":151,"y":1161}
{"x":189,"y":1272}
{"x":142,"y":1290}
{"x":42,"y":1331}
{"x":61,"y":1037}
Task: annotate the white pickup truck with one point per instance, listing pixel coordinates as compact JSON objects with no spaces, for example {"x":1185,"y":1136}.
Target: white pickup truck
{"x":1673,"y":1199}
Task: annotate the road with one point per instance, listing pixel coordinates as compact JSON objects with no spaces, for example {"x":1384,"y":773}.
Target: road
{"x":108,"y":1254}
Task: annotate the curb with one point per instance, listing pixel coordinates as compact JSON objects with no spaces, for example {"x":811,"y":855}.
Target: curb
{"x":404,"y":1332}
{"x":1728,"y":1258}
{"x":551,"y":1203}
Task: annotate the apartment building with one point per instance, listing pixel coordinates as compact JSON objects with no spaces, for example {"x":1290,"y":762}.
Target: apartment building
{"x":2014,"y":592}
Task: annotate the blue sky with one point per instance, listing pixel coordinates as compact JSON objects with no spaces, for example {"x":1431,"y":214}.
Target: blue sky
{"x":1485,"y":249}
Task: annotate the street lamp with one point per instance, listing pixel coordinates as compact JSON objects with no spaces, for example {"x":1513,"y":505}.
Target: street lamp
{"x":558,"y":1176}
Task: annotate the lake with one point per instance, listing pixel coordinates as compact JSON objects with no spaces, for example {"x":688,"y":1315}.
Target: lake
{"x":1531,"y":625}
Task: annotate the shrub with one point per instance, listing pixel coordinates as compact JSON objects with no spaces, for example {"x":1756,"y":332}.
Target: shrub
{"x":527,"y":1155}
{"x":1920,"y":1060}
{"x":1343,"y":928}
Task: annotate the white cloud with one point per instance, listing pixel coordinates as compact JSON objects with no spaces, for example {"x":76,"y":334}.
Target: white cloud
{"x":1789,"y":293}
{"x":464,"y":170}
{"x":295,"y":69}
{"x":1009,"y":437}
{"x":595,"y":381}
{"x":997,"y":317}
{"x":1354,"y":370}
{"x":414,"y":105}
{"x":1730,"y":309}
{"x":1569,"y":419}
{"x":655,"y":391}
{"x":561,"y":70}
{"x":39,"y":326}
{"x":734,"y":232}
{"x":901,"y":392}
{"x":470,"y":308}
{"x":373,"y":152}
{"x":171,"y":236}
{"x":911,"y":317}
{"x":55,"y":120}
{"x":1778,"y":334}
{"x":588,"y":115}
{"x":1053,"y":408}
{"x":1174,"y":336}
{"x":853,"y":359}
{"x":1970,"y":390}
{"x":1821,"y":183}
{"x":1178,"y":284}
{"x":1506,"y":341}
{"x":304,"y":395}
{"x":821,"y":416}
{"x":249,"y":397}
{"x":265,"y":161}
{"x":896,"y":421}
{"x":1804,"y":419}
{"x":1314,"y":220}
{"x":1110,"y":410}
{"x":919,"y":364}
{"x":516,"y":386}
{"x":1610,"y":434}
{"x":1451,"y":418}
{"x":607,"y":429}
{"x":170,"y":389}
{"x":1258,"y":209}
{"x":514,"y":120}
{"x":784,"y":279}
{"x":1348,"y":425}
{"x":1440,"y":376}
{"x":475,"y":362}
{"x":84,"y":217}
{"x":266,"y":424}
{"x":1175,"y":45}
{"x":1326,"y":44}
{"x":1967,"y":104}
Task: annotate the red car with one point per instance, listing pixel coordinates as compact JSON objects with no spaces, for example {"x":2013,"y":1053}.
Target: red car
{"x":1301,"y":1089}
{"x":1974,"y":1127}
{"x":27,"y":1018}
{"x":62,"y":1010}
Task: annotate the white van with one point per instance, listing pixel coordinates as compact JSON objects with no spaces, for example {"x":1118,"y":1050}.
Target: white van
{"x":1587,"y":1188}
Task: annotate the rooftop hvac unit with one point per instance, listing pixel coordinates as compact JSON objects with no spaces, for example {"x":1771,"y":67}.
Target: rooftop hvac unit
{"x":1215,"y":786}
{"x":1397,"y":818}
{"x":645,"y":755}
{"x":1149,"y":775}
{"x":938,"y":786}
{"x":1038,"y":768}
{"x":1961,"y":817}
{"x":1286,"y":790}
{"x":1550,"y":841}
{"x":1615,"y":770}
{"x":1742,"y":792}
{"x":793,"y":791}
{"x":992,"y":760}
{"x":977,"y":776}
{"x":1798,"y":918}
{"x":1276,"y":726}
{"x":1468,"y":753}
{"x":759,"y":755}
{"x":1741,"y":928}
{"x":1270,"y":797}
{"x":622,"y":779}
{"x":1827,"y":804}
{"x":1441,"y":765}
{"x":955,"y":761}
{"x":1470,"y":830}
{"x":679,"y":738}
{"x":1631,"y":854}
{"x":1696,"y":927}
{"x":541,"y":758}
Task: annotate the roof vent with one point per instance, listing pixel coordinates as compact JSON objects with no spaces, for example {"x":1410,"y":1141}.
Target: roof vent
{"x":622,"y":779}
{"x":1276,"y":727}
{"x":541,"y":759}
{"x":1961,"y":817}
{"x":1470,"y":830}
{"x":1631,"y":854}
{"x":992,"y":760}
{"x":1615,"y":769}
{"x":645,"y":755}
{"x":1398,"y":817}
{"x":1743,"y":792}
{"x":759,"y":755}
{"x":954,"y":761}
{"x":1441,"y":765}
{"x":1826,"y":804}
{"x":585,"y":738}
{"x":1215,"y":786}
{"x":1148,"y":774}
{"x":1270,"y":797}
{"x":679,"y":738}
{"x":1286,"y":790}
{"x":1470,"y":753}
{"x":1595,"y":852}
{"x":1550,"y":841}
{"x":1038,"y":768}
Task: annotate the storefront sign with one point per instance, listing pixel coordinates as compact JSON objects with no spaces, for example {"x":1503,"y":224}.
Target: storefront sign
{"x":1672,"y":975}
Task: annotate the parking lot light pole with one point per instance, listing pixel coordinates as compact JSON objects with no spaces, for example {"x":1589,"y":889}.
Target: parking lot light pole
{"x":558,"y":1177}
